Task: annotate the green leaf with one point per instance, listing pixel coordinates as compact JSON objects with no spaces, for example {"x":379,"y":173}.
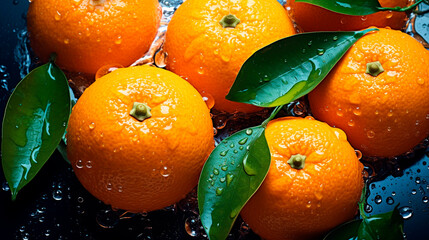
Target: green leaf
{"x":382,"y":226}
{"x":290,"y":68}
{"x":349,"y":7}
{"x":34,"y":122}
{"x":232,"y":174}
{"x":346,"y":231}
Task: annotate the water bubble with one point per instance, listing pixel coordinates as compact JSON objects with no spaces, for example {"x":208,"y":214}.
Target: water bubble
{"x":107,"y":219}
{"x":406,"y":212}
{"x":378,"y":199}
{"x":390,"y":200}
{"x":57,"y":195}
{"x":80,"y":199}
{"x":192,"y":226}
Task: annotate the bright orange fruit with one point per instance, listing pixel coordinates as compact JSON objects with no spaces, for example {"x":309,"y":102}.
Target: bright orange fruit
{"x":88,"y":34}
{"x":139,"y":165}
{"x":210,"y":55}
{"x":312,"y":18}
{"x":386,"y":114}
{"x":314,"y":182}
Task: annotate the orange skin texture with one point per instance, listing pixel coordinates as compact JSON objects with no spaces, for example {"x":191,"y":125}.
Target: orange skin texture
{"x":87,"y":36}
{"x":385,"y":115}
{"x":311,"y":18}
{"x":130,"y":157}
{"x":305,"y":203}
{"x":209,"y":56}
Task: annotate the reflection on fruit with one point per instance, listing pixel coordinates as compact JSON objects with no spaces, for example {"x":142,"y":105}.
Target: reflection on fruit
{"x":88,"y":34}
{"x":138,"y":138}
{"x":207,"y":41}
{"x":314,"y":182}
{"x":312,"y":18}
{"x":378,"y":94}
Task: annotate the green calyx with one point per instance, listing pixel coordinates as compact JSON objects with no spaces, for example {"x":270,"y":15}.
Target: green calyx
{"x":140,"y":111}
{"x":229,"y":21}
{"x":297,"y":161}
{"x":374,"y":68}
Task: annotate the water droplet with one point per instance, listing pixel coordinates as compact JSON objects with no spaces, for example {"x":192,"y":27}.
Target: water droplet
{"x":241,"y":148}
{"x":247,"y":168}
{"x":80,"y":199}
{"x":406,"y":212}
{"x":363,"y":18}
{"x":57,"y":195}
{"x":370,"y":134}
{"x":390,"y":200}
{"x":378,"y":199}
{"x":66,"y":41}
{"x":165,"y":171}
{"x":393,"y":193}
{"x":224,"y":168}
{"x":223,"y":153}
{"x":120,"y":189}
{"x":192,"y":226}
{"x":310,"y":42}
{"x":303,"y":50}
{"x":219,"y":191}
{"x":335,"y":38}
{"x":232,"y":145}
{"x":389,"y":14}
{"x":320,"y":51}
{"x":109,"y":186}
{"x":420,"y":81}
{"x":57,"y":16}
{"x":243,"y":141}
{"x":418,"y":180}
{"x":200,"y":70}
{"x":91,"y":126}
{"x":118,"y":40}
{"x":414,"y":191}
{"x":89,"y":164}
{"x":229,"y":178}
{"x":222,"y":180}
{"x":358,"y":154}
{"x":216,"y":171}
{"x":425,"y":199}
{"x":340,"y":113}
{"x":351,"y":123}
{"x":5,"y":187}
{"x":368,"y":208}
{"x":106,"y":69}
{"x":249,"y":131}
{"x":79,"y":163}
{"x":234,"y":212}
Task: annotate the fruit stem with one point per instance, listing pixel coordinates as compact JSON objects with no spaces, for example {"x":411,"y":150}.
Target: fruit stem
{"x":374,"y":68}
{"x":230,"y":21}
{"x":140,"y":111}
{"x":297,"y":161}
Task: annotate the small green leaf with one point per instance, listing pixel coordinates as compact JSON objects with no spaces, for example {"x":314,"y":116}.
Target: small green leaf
{"x":346,"y":231}
{"x":34,"y":122}
{"x":232,"y":174}
{"x":382,"y":226}
{"x":349,"y":7}
{"x":290,"y":68}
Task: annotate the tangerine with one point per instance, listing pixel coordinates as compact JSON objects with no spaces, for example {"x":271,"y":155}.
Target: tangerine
{"x":378,"y":94}
{"x":88,"y":34}
{"x":310,"y":18}
{"x":207,"y":41}
{"x":138,"y":138}
{"x":314,"y":182}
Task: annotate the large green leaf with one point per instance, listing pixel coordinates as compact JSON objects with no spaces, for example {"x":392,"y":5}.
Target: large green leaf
{"x":349,"y":7}
{"x":34,"y":122}
{"x":382,"y":226}
{"x":346,"y":231}
{"x":290,"y":68}
{"x":232,"y":174}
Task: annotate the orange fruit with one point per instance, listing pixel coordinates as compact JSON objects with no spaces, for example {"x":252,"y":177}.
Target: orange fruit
{"x":312,"y":18}
{"x":139,"y":165}
{"x":209,"y":55}
{"x":386,"y":114}
{"x":304,"y":203}
{"x":88,"y":34}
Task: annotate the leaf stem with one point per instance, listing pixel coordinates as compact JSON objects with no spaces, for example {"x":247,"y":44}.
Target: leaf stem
{"x":399,"y":9}
{"x":273,"y":114}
